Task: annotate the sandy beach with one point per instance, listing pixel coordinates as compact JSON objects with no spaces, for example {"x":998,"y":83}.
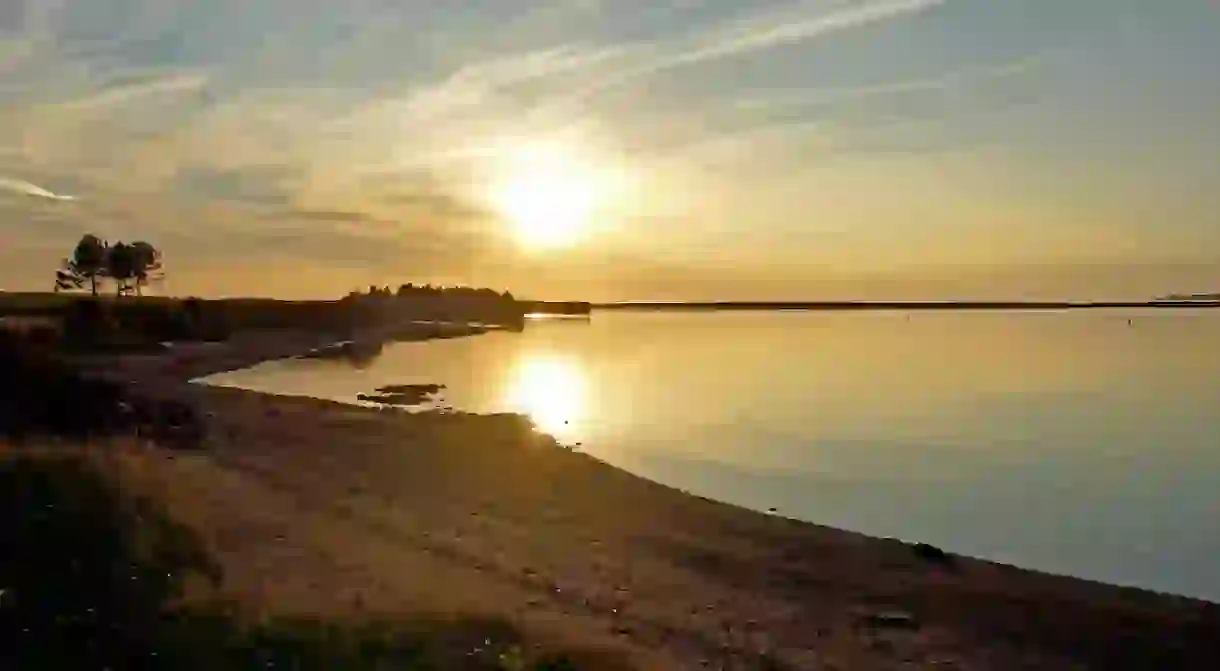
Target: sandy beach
{"x":314,"y":507}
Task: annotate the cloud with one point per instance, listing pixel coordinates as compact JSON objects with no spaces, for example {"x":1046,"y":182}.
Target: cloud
{"x":327,"y":215}
{"x":132,"y":92}
{"x":536,"y":64}
{"x":751,"y":35}
{"x":23,"y":187}
{"x":962,"y":78}
{"x":280,"y":127}
{"x":89,"y":107}
{"x":956,"y":110}
{"x":449,"y":207}
{"x":755,"y":34}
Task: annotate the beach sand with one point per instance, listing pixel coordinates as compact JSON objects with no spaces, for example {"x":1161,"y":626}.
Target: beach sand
{"x":319,"y":508}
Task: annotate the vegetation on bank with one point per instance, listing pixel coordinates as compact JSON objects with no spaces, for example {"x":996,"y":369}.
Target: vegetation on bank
{"x":93,"y":576}
{"x":90,"y":325}
{"x":44,"y":395}
{"x":130,"y":319}
{"x":125,"y":321}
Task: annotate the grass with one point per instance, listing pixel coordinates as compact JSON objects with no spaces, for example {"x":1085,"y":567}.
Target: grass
{"x":214,"y":642}
{"x":92,"y":576}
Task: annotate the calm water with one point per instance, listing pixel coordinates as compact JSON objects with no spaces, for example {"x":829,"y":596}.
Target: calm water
{"x":1070,"y":442}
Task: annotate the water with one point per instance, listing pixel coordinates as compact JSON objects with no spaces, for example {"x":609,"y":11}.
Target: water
{"x":1075,"y":443}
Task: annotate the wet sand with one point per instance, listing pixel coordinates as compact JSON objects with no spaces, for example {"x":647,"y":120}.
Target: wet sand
{"x":315,"y":507}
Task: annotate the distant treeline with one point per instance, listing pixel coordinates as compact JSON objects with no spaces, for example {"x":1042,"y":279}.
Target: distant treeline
{"x":1214,"y":298}
{"x":466,"y":300}
{"x":411,"y":290}
{"x":133,"y":322}
{"x":899,"y":305}
{"x":435,"y":303}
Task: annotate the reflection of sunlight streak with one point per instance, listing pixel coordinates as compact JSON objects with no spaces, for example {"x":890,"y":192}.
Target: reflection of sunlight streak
{"x":550,"y":390}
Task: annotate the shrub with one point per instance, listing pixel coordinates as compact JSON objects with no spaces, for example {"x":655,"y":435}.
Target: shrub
{"x":41,"y":393}
{"x":88,"y":323}
{"x":85,"y":572}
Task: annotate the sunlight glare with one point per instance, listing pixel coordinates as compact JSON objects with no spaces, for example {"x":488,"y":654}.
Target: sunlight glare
{"x":548,"y":196}
{"x":551,"y":391}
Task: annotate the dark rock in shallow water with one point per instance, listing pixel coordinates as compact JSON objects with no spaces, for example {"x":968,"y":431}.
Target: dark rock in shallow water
{"x":391,"y":399}
{"x":404,"y":395}
{"x":358,"y":354}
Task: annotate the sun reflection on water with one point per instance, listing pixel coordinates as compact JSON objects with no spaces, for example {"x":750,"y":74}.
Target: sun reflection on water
{"x":551,"y":390}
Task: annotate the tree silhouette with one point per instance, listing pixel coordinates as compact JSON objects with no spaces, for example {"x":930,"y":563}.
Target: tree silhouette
{"x":88,"y":264}
{"x":66,"y":280}
{"x":121,"y":266}
{"x":130,"y":266}
{"x":147,"y":264}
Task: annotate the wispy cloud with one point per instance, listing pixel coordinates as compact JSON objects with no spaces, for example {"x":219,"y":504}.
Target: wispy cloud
{"x":102,"y":116}
{"x":756,"y":34}
{"x":132,"y":92}
{"x":792,"y":25}
{"x":26,"y":188}
{"x":969,"y":77}
{"x":328,"y":215}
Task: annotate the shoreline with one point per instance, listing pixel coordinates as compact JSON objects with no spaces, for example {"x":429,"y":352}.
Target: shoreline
{"x":913,"y":306}
{"x":499,"y":519}
{"x":190,"y":362}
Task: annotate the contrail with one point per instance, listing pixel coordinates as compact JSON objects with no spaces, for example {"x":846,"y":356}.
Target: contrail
{"x":757,"y":35}
{"x":25,"y":188}
{"x":770,"y":34}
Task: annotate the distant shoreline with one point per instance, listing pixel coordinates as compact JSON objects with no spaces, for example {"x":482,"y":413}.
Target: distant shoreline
{"x":43,"y":304}
{"x":899,"y":305}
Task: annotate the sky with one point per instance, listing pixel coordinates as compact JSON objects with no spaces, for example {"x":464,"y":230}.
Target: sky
{"x":779,"y":149}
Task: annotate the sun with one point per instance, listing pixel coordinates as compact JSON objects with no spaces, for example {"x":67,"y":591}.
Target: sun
{"x":548,"y":198}
{"x":547,"y":209}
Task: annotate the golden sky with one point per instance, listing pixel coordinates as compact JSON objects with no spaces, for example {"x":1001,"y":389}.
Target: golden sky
{"x":782,"y":149}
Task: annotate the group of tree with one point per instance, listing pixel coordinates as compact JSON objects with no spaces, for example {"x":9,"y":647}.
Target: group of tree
{"x":410,"y":290}
{"x":130,"y":266}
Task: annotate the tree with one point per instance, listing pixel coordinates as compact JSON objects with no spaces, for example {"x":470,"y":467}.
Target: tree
{"x":147,"y":266}
{"x":66,"y":280}
{"x":88,"y":264}
{"x":131,"y":267}
{"x":122,"y":266}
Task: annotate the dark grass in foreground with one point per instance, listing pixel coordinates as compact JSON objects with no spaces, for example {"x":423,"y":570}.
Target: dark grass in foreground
{"x":42,"y":394}
{"x":91,"y":577}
